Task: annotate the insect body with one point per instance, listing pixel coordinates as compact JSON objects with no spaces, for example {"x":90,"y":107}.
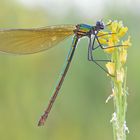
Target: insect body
{"x":28,"y":41}
{"x":80,"y":31}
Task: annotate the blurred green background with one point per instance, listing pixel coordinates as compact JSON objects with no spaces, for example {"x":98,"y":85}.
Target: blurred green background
{"x":26,"y":82}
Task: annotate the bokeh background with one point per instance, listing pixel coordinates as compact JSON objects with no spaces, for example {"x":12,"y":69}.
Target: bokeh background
{"x":26,"y":82}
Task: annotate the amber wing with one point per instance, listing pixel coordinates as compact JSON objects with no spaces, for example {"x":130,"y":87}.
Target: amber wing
{"x":27,"y":41}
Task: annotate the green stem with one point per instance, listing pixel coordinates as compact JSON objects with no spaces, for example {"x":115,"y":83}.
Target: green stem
{"x":120,"y":100}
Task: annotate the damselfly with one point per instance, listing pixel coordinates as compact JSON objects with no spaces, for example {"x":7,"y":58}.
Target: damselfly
{"x":28,"y":41}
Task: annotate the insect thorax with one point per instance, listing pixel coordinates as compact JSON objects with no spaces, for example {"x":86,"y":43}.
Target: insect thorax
{"x":83,"y":30}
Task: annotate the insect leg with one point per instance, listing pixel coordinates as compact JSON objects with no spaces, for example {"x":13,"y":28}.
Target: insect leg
{"x":95,"y":60}
{"x":100,"y":45}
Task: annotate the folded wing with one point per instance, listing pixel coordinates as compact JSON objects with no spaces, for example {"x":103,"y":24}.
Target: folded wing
{"x":27,"y":41}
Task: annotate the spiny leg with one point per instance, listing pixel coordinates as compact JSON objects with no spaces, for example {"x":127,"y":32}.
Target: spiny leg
{"x":93,"y":48}
{"x":102,"y":68}
{"x":100,"y":45}
{"x":90,"y":46}
{"x":115,"y":46}
{"x":109,"y":33}
{"x":97,"y":38}
{"x":92,"y":58}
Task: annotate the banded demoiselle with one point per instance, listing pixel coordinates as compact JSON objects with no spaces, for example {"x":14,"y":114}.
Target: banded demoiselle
{"x":28,"y":41}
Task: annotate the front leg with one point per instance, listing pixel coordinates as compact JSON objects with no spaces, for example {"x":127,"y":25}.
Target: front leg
{"x":91,"y":48}
{"x":100,"y":45}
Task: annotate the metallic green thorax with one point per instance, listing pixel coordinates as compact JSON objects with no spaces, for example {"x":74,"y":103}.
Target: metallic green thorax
{"x":83,"y":29}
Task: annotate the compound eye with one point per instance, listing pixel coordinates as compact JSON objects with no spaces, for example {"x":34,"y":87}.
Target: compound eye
{"x":98,"y":23}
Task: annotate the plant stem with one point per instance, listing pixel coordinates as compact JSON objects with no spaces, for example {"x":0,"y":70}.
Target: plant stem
{"x":120,"y":97}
